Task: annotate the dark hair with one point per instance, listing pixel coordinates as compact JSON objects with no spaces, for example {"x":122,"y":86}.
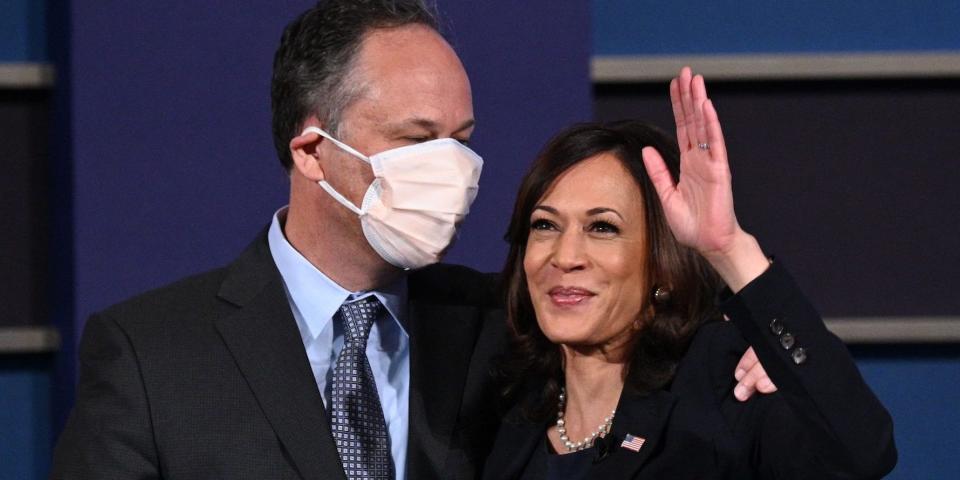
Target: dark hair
{"x":534,"y":365}
{"x":314,"y":60}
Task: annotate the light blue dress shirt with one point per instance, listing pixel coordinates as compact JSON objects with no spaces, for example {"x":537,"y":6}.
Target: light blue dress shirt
{"x":314,"y":299}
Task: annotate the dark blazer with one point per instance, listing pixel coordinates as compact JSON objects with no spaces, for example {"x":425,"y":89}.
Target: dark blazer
{"x":208,"y":379}
{"x":824,"y":422}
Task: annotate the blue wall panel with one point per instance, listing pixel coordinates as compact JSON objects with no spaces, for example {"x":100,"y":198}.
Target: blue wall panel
{"x":23,"y":30}
{"x":918,"y":385}
{"x":628,"y":27}
{"x":25,"y":427}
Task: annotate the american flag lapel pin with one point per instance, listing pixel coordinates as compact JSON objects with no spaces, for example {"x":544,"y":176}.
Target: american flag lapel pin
{"x":633,"y":443}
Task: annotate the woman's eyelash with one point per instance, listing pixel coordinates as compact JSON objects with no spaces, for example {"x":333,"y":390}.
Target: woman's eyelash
{"x":598,"y":226}
{"x":541,"y":224}
{"x":604,"y":227}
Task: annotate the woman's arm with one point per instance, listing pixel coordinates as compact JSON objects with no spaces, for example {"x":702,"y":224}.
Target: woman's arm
{"x":699,"y":208}
{"x":828,"y":407}
{"x":824,"y":418}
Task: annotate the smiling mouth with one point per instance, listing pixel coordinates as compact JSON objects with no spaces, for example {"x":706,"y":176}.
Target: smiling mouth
{"x":569,"y":296}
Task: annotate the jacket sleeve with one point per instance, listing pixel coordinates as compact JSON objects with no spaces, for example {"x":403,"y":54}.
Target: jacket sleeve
{"x":822,"y":403}
{"x":108,"y":434}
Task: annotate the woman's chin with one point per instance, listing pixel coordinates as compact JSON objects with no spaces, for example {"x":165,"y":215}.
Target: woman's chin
{"x":574,"y":336}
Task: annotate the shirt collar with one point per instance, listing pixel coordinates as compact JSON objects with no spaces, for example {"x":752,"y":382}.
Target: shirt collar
{"x":314,"y":294}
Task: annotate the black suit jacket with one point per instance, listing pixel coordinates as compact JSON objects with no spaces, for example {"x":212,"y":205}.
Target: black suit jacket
{"x":824,"y":422}
{"x":208,"y":379}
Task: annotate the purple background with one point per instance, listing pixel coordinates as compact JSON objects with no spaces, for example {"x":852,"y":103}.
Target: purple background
{"x":174,"y":169}
{"x":165,"y":161}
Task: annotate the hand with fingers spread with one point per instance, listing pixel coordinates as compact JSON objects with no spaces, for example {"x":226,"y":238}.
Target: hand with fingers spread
{"x":699,"y":206}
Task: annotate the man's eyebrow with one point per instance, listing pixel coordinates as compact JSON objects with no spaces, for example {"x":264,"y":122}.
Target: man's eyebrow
{"x":466,"y":125}
{"x":426,"y":124}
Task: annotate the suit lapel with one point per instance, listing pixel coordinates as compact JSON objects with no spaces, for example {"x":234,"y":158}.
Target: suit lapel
{"x":264,"y":340}
{"x":639,"y":415}
{"x":441,"y":344}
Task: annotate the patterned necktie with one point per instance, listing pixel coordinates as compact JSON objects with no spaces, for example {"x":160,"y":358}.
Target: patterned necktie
{"x":356,"y":418}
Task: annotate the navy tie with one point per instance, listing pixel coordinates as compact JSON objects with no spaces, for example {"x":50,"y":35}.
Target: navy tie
{"x":356,"y":418}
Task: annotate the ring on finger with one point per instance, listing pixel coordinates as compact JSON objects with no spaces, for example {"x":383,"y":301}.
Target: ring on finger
{"x":703,"y":146}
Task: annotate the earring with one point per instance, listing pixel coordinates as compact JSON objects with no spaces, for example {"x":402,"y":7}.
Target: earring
{"x":661,"y":295}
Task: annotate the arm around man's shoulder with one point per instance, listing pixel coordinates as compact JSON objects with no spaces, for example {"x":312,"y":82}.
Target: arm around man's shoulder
{"x":457,"y":284}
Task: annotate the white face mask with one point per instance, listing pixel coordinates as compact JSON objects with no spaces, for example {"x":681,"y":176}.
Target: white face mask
{"x":419,"y":195}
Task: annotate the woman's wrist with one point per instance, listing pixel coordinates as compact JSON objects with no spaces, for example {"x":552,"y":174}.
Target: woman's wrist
{"x":741,"y":263}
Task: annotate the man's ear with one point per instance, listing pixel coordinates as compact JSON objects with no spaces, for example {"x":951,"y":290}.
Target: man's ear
{"x":305,"y":151}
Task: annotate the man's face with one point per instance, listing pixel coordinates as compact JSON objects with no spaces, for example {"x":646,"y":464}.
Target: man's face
{"x":414,"y":90}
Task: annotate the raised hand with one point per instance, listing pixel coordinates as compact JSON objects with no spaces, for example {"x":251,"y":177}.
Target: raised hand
{"x":699,"y":207}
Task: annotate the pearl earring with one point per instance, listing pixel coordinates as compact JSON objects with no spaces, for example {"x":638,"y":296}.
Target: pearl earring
{"x":661,"y":295}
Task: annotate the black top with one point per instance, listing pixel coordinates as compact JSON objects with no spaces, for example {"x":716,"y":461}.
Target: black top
{"x":546,"y":464}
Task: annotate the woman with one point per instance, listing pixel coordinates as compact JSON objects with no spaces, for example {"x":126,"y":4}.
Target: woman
{"x":621,"y":360}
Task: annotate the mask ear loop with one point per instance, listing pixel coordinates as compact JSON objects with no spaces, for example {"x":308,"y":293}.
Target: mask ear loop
{"x":343,"y":146}
{"x":340,"y":198}
{"x":323,"y":183}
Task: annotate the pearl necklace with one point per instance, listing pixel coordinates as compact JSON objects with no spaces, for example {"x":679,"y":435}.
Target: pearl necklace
{"x":587,"y":442}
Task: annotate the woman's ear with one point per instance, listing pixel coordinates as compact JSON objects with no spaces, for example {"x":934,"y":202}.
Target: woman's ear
{"x":305,"y":151}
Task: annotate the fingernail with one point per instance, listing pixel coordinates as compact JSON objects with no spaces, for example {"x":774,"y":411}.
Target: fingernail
{"x":739,"y":374}
{"x":740,"y":393}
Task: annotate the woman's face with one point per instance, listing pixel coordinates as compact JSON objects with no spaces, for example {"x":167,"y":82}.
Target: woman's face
{"x":585,"y":255}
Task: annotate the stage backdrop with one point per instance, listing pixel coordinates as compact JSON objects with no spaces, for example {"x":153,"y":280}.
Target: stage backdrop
{"x":173,"y":163}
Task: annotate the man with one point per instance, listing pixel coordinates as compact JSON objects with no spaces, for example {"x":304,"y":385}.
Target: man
{"x":257,"y":370}
{"x":227,"y":374}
